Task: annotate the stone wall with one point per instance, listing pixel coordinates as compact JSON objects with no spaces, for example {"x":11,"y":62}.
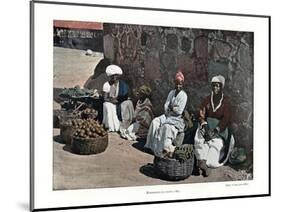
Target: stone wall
{"x":152,"y":55}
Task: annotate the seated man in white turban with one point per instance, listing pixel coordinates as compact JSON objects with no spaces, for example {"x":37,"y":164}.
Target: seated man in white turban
{"x":163,"y":130}
{"x":117,"y":109}
{"x":213,"y":142}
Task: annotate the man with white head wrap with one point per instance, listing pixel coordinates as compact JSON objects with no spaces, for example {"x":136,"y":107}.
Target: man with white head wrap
{"x":164,"y":129}
{"x":113,"y":70}
{"x":213,"y":141}
{"x":117,"y":109}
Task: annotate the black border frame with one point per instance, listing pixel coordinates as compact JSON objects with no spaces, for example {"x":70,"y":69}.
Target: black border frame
{"x":31,"y":90}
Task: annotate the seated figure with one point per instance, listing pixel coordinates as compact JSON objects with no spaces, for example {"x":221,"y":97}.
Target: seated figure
{"x":142,"y":117}
{"x":118,"y":110}
{"x":164,"y":129}
{"x":213,"y":141}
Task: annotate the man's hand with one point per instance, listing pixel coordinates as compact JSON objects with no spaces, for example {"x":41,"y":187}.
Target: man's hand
{"x":205,"y":127}
{"x":211,"y":133}
{"x":114,"y":100}
{"x":216,"y":131}
{"x":202,"y":114}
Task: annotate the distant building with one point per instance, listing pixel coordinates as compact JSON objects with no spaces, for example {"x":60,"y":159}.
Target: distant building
{"x":78,"y":35}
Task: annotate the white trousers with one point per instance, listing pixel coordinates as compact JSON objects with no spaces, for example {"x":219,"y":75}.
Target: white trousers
{"x":160,"y":136}
{"x":127,"y":113}
{"x":130,"y":133}
{"x":211,"y":151}
{"x":110,"y":119}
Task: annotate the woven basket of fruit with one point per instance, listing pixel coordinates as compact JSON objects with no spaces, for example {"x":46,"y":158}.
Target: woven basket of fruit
{"x":89,"y":137}
{"x":177,"y":168}
{"x":61,"y":116}
{"x":172,"y":169}
{"x":87,"y":146}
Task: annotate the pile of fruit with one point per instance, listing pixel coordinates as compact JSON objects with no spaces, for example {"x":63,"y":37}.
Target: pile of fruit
{"x":88,"y":128}
{"x":89,"y":113}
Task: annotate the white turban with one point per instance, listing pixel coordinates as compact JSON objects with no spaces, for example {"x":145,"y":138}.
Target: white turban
{"x":219,"y":78}
{"x":112,"y":70}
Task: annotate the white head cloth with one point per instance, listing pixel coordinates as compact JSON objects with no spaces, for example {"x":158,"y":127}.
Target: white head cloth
{"x":219,"y":78}
{"x":112,"y":70}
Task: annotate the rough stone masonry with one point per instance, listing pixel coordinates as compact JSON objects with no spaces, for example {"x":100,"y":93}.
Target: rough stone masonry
{"x":152,"y":55}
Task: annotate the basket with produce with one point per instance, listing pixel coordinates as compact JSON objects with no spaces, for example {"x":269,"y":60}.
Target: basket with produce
{"x":66,"y":131}
{"x":89,"y":138}
{"x":179,"y":167}
{"x":61,"y":116}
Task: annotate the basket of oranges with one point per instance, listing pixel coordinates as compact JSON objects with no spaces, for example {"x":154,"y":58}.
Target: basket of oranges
{"x":89,"y":137}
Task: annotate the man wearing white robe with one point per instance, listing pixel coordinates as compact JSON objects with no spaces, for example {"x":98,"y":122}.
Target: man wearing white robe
{"x":111,"y":90}
{"x":164,"y":129}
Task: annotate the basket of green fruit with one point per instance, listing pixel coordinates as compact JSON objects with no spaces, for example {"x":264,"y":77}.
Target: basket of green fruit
{"x":179,"y":167}
{"x":89,"y":138}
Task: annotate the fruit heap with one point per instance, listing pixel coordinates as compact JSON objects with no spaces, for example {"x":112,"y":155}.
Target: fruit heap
{"x":89,"y":113}
{"x":88,"y":128}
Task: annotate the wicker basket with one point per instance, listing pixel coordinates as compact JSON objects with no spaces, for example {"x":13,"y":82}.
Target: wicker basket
{"x":60,"y":116}
{"x":56,"y":119}
{"x":87,"y":146}
{"x":172,"y":169}
{"x":66,"y":133}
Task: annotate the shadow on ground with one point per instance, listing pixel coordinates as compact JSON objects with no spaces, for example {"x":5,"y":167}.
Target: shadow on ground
{"x":58,"y":139}
{"x":139,"y":145}
{"x":67,"y":148}
{"x":148,"y":170}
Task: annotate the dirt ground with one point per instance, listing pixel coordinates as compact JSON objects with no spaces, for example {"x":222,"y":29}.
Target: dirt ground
{"x":72,"y":67}
{"x":123,"y":163}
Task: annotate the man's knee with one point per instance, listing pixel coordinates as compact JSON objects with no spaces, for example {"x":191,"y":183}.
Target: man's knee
{"x":156,"y":121}
{"x":127,"y":103}
{"x":216,"y":143}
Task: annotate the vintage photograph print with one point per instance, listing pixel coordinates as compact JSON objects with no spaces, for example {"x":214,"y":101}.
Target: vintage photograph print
{"x":135,"y":105}
{"x":140,"y":105}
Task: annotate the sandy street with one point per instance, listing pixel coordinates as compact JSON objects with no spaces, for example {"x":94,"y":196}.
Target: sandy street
{"x":122,"y":164}
{"x":72,"y":67}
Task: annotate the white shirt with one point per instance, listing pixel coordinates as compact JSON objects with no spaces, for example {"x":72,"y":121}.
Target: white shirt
{"x":111,"y":89}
